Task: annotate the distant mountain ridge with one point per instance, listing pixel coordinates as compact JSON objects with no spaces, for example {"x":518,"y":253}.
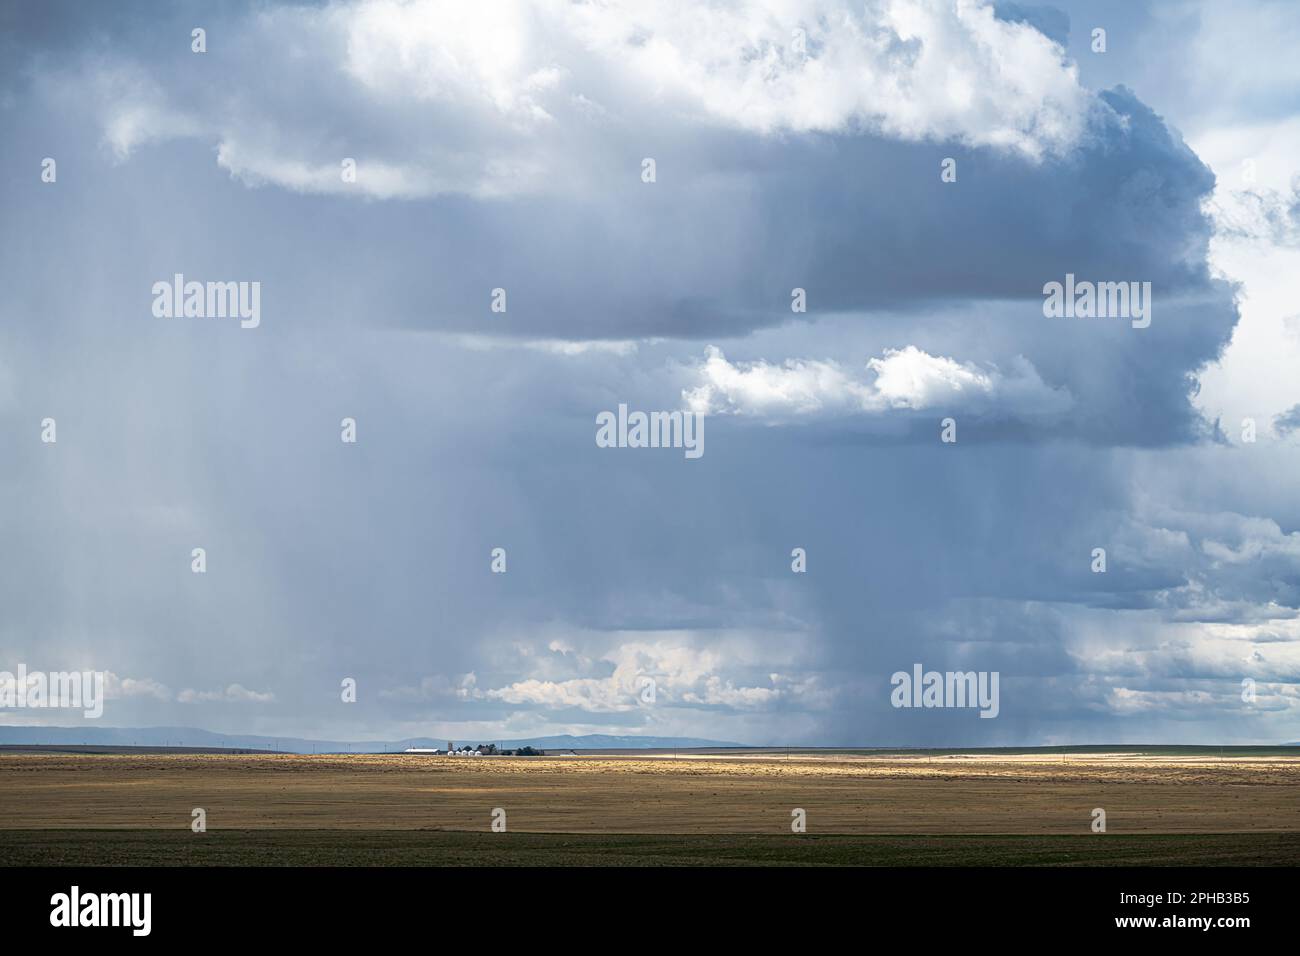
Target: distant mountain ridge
{"x":195,"y":737}
{"x":606,"y":742}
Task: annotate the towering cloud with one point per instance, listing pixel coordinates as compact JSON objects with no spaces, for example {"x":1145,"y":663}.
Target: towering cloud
{"x":853,"y":211}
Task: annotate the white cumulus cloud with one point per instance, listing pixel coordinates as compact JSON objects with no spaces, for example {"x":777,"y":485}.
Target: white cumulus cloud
{"x":501,"y":98}
{"x":906,"y":378}
{"x":234,"y":693}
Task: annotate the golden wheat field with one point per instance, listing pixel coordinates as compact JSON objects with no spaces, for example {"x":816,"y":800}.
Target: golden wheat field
{"x":847,"y":794}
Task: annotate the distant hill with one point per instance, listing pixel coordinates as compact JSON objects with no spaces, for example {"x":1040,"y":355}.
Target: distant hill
{"x":193,"y":737}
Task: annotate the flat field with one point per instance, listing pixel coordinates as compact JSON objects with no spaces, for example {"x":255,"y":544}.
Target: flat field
{"x":391,"y":808}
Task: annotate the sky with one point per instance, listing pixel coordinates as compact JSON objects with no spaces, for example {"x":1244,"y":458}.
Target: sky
{"x":648,"y":184}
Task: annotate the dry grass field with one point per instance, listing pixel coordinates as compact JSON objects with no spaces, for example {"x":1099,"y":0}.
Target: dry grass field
{"x":1033,"y":794}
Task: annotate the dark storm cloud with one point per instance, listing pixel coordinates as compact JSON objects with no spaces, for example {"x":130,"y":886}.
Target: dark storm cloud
{"x":1288,"y":421}
{"x":715,"y":246}
{"x":371,"y":561}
